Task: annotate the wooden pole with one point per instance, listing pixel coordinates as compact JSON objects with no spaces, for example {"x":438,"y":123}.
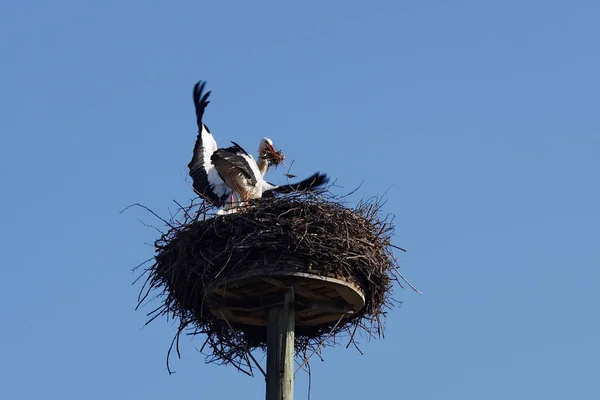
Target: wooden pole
{"x":280,"y":350}
{"x":288,"y":349}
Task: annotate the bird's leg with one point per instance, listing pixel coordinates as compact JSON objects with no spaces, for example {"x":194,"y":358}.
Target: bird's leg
{"x":246,"y":198}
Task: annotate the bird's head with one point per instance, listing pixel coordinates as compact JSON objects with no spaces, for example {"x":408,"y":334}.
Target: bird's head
{"x":267,"y":151}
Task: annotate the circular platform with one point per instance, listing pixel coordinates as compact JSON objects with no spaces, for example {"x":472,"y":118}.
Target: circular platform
{"x":246,"y":298}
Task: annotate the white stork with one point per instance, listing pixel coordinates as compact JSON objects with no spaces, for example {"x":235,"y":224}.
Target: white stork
{"x":218,"y":173}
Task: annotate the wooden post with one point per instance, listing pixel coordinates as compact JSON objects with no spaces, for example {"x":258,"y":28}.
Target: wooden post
{"x":280,"y":350}
{"x":288,"y":348}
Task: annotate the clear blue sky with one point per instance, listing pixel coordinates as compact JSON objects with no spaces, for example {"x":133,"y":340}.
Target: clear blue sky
{"x":482,"y":117}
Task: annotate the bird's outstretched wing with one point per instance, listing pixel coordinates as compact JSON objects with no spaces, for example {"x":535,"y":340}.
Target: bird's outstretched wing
{"x":206,"y":179}
{"x":309,"y":184}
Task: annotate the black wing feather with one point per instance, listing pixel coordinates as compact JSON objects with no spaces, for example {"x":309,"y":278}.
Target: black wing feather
{"x":308,"y":184}
{"x":202,"y":187}
{"x":236,"y":148}
{"x":196,"y":166}
{"x":200,"y":103}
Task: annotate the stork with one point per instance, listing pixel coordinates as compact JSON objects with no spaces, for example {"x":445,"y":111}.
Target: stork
{"x":219,"y":173}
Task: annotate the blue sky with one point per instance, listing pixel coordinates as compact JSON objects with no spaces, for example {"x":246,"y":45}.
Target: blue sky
{"x":481,"y":117}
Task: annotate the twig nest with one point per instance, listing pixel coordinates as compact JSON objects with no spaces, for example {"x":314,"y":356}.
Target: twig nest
{"x":200,"y":258}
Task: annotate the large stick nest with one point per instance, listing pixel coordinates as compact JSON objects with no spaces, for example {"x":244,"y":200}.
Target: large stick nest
{"x":199,"y":248}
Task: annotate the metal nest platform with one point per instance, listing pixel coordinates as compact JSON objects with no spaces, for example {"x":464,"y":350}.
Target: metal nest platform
{"x":221,"y":277}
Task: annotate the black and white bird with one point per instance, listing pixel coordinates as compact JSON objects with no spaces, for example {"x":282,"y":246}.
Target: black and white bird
{"x":219,"y":173}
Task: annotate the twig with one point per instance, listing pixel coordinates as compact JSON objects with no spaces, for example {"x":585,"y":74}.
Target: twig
{"x":149,"y":210}
{"x":242,"y":344}
{"x":323,"y":341}
{"x":405,"y":280}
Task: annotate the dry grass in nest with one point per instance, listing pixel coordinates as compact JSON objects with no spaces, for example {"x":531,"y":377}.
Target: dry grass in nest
{"x":199,"y":248}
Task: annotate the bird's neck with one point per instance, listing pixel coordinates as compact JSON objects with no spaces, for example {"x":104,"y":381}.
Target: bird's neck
{"x":263,"y":165}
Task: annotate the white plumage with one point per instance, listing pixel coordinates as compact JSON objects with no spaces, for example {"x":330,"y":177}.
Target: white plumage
{"x":219,"y":173}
